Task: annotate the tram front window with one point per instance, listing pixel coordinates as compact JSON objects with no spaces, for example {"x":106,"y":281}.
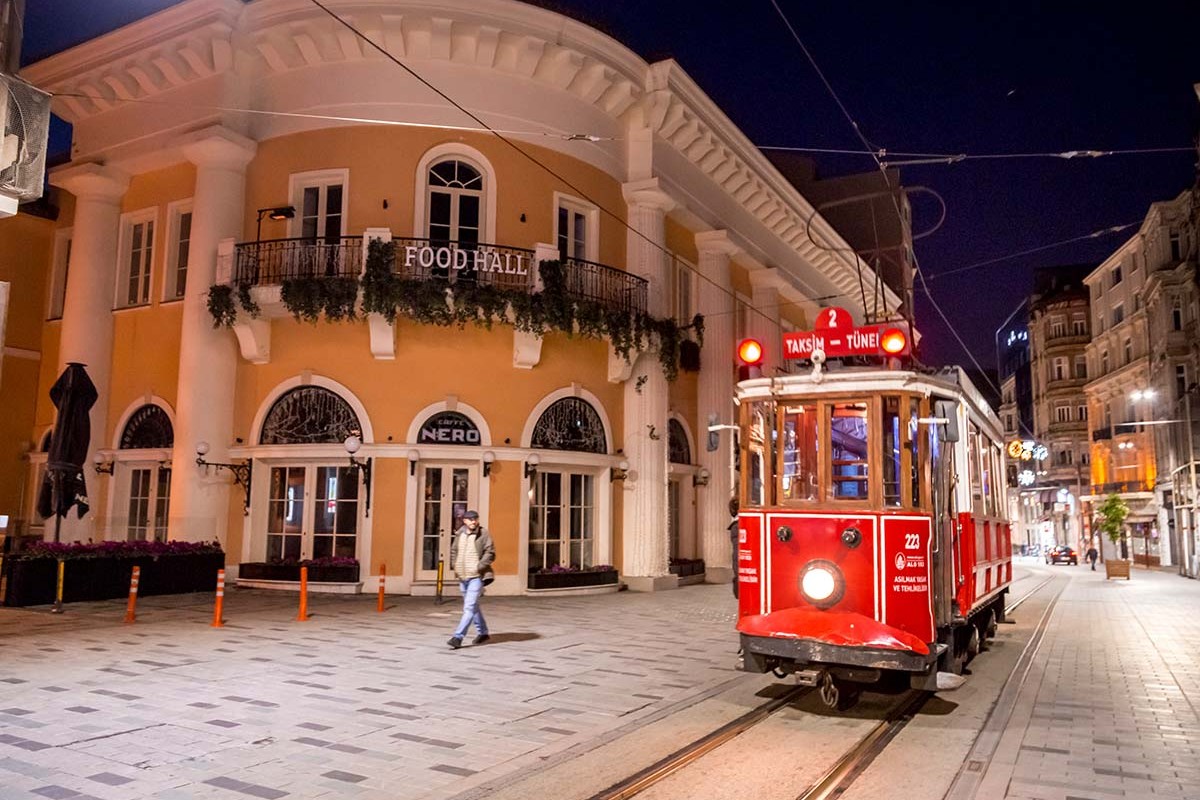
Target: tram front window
{"x":800,"y":452}
{"x":760,"y":454}
{"x":848,"y":450}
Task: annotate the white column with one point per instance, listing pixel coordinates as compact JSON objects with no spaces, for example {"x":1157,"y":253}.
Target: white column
{"x":764,"y":317}
{"x":87,"y":325}
{"x":645,"y":531}
{"x":715,"y":401}
{"x":207,"y":356}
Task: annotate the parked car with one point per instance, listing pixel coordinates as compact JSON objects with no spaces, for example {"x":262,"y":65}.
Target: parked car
{"x":1062,"y":554}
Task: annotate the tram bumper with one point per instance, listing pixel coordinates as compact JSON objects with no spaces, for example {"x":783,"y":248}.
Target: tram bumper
{"x":799,"y":637}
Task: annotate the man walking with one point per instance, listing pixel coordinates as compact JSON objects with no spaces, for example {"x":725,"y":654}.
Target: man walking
{"x":471,"y":556}
{"x":1092,"y":555}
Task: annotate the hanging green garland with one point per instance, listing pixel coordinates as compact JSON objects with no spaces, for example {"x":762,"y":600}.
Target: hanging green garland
{"x":436,"y":301}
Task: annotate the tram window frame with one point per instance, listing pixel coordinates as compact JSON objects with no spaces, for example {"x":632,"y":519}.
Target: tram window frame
{"x":874,"y":485}
{"x":785,"y":490}
{"x":770,"y":476}
{"x":975,"y":470}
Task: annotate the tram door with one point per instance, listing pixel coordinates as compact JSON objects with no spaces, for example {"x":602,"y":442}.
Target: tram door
{"x":944,"y":472}
{"x":446,"y":491}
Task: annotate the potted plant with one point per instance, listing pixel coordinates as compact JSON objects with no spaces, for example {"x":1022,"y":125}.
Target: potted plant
{"x":327,"y":569}
{"x":1110,"y":521}
{"x":560,"y":577}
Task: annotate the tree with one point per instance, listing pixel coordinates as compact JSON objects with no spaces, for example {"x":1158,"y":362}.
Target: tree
{"x":1110,"y":521}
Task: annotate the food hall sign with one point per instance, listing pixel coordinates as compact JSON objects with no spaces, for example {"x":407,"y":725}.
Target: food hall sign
{"x":450,"y":257}
{"x":448,"y":427}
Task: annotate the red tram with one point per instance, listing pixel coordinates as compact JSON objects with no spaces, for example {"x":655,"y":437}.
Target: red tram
{"x":873,"y":547}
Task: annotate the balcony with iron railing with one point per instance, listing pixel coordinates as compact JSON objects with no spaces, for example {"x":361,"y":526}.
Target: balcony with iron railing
{"x":270,"y":263}
{"x":1123,"y":487}
{"x":1102,"y":434}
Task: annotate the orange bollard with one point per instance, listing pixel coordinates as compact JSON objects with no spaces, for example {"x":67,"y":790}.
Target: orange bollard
{"x":220,"y":606}
{"x":382,"y":575}
{"x":131,"y":608}
{"x":303,"y":595}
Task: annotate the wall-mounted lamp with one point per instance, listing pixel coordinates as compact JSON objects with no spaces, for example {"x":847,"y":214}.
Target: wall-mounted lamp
{"x":241,"y":472}
{"x":413,"y":457}
{"x":621,"y":471}
{"x":352,"y":444}
{"x":531,"y":465}
{"x":276,"y":213}
{"x":488,"y":458}
{"x":103,"y":462}
{"x":700,"y":478}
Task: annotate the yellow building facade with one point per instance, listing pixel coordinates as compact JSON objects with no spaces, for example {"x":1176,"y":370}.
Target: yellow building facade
{"x":237,"y":166}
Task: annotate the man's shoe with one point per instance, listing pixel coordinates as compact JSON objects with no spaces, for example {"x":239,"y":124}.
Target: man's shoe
{"x":480,"y":639}
{"x":455,"y":642}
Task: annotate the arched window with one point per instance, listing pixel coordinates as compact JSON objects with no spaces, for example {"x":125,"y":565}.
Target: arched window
{"x":309,"y":415}
{"x":677,"y":443}
{"x":569,"y":424}
{"x":148,"y":427}
{"x":455,"y":202}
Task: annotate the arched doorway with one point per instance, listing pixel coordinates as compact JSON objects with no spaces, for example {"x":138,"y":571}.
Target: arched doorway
{"x":145,"y":473}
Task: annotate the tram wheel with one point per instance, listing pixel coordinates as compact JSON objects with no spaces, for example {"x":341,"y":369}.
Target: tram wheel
{"x":990,"y":625}
{"x":973,"y":643}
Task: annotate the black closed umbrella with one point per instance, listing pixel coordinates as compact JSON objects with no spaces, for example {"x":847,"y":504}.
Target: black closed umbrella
{"x":73,"y":394}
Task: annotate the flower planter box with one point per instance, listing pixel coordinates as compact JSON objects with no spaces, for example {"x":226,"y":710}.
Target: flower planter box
{"x":571,"y":580}
{"x":1116,"y":568}
{"x":688,"y":568}
{"x":31,"y":582}
{"x":259,"y":571}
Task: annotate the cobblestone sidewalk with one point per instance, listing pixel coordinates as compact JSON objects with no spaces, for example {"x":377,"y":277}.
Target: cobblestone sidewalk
{"x":1110,"y":705}
{"x":351,"y":704}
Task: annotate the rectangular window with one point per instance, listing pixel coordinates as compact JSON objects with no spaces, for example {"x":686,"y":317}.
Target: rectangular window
{"x":1081,"y":413}
{"x":1079,"y":326}
{"x":1176,"y":247}
{"x":136,"y":259}
{"x":335,"y":513}
{"x":1062,"y":413}
{"x":1080,"y":366}
{"x":1181,"y":381}
{"x":1177,"y":317}
{"x":319,"y":199}
{"x":178,"y":250}
{"x":1116,"y":275}
{"x":162,"y":502}
{"x":681,"y":291}
{"x":1128,"y":347}
{"x":139,"y":505}
{"x":62,"y":266}
{"x":574,"y":229}
{"x":759,"y":458}
{"x":1104,"y":362}
{"x":1058,"y":327}
{"x":1118,"y":313}
{"x":1060,"y":369}
{"x":798,"y":478}
{"x":847,"y":424}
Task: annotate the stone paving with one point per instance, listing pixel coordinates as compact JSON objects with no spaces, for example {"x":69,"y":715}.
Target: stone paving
{"x":350,"y":704}
{"x":1110,"y":705}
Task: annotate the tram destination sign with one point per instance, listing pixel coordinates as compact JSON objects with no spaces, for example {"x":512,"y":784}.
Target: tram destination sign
{"x":837,"y":336}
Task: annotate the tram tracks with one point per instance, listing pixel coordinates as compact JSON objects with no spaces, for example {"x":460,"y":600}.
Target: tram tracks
{"x":837,"y":779}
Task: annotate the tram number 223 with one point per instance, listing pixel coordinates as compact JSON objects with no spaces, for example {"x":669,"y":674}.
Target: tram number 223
{"x":912,"y":541}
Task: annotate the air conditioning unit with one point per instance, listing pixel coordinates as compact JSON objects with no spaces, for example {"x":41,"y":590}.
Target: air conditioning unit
{"x":24,"y":129}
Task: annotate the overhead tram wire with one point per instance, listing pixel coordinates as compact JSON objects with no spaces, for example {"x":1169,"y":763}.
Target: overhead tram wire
{"x":882,"y":154}
{"x":887,"y":180}
{"x":484,"y":127}
{"x":1051,"y":246}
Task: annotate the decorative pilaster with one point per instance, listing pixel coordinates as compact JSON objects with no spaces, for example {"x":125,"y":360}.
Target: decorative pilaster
{"x":645,"y":433}
{"x":715,"y":390}
{"x":207,"y":356}
{"x":764,"y":317}
{"x":87,"y":326}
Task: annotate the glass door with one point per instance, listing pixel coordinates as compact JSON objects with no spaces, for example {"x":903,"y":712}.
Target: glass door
{"x":312,"y":512}
{"x":562,"y":521}
{"x":149,"y":498}
{"x":446,"y":492}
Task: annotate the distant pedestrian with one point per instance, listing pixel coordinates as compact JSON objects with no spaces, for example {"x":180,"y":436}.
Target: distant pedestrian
{"x":733,"y":541}
{"x":471,"y":557}
{"x":1092,"y":555}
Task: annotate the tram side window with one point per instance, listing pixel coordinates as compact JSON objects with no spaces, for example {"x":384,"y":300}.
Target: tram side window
{"x":976,"y":471}
{"x":760,"y":454}
{"x":893,"y":457}
{"x":848,"y":450}
{"x":800,"y":452}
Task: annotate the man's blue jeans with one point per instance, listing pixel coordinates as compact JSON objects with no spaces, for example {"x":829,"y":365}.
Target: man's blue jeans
{"x":472,"y":592}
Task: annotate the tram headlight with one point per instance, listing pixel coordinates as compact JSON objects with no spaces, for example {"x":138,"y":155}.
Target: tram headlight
{"x":822,"y":584}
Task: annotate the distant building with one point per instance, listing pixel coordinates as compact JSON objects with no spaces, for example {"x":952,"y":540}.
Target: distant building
{"x":1013,"y":359}
{"x":1143,"y":362}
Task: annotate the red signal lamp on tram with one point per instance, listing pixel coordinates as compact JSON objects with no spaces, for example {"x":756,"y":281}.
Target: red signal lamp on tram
{"x":750,"y":354}
{"x":893,"y":342}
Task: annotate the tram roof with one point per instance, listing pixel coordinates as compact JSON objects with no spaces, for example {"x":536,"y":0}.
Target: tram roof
{"x":948,"y":380}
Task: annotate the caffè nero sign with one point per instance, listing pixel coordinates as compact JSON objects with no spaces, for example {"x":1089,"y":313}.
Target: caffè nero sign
{"x":449,"y":257}
{"x":448,"y":427}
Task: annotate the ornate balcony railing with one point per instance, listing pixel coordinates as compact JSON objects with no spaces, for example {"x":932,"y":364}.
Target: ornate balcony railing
{"x":272,"y":262}
{"x":1101,"y":434}
{"x":612,"y":287}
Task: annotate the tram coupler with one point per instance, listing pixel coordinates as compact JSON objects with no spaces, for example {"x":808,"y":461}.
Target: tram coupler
{"x":809,"y":677}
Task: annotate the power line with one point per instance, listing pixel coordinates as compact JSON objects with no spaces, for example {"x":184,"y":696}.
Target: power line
{"x":1051,"y":246}
{"x":882,"y":154}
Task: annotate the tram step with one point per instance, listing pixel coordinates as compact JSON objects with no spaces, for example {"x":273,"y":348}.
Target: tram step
{"x":808,"y":677}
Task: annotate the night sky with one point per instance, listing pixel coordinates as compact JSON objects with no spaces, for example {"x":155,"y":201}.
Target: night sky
{"x":975,"y":78}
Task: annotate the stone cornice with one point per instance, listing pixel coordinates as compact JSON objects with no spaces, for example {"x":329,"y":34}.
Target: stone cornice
{"x":92,"y":182}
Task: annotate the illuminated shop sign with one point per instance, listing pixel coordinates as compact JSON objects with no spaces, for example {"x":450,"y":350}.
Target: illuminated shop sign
{"x":448,"y":427}
{"x":1027,"y":450}
{"x":450,"y":257}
